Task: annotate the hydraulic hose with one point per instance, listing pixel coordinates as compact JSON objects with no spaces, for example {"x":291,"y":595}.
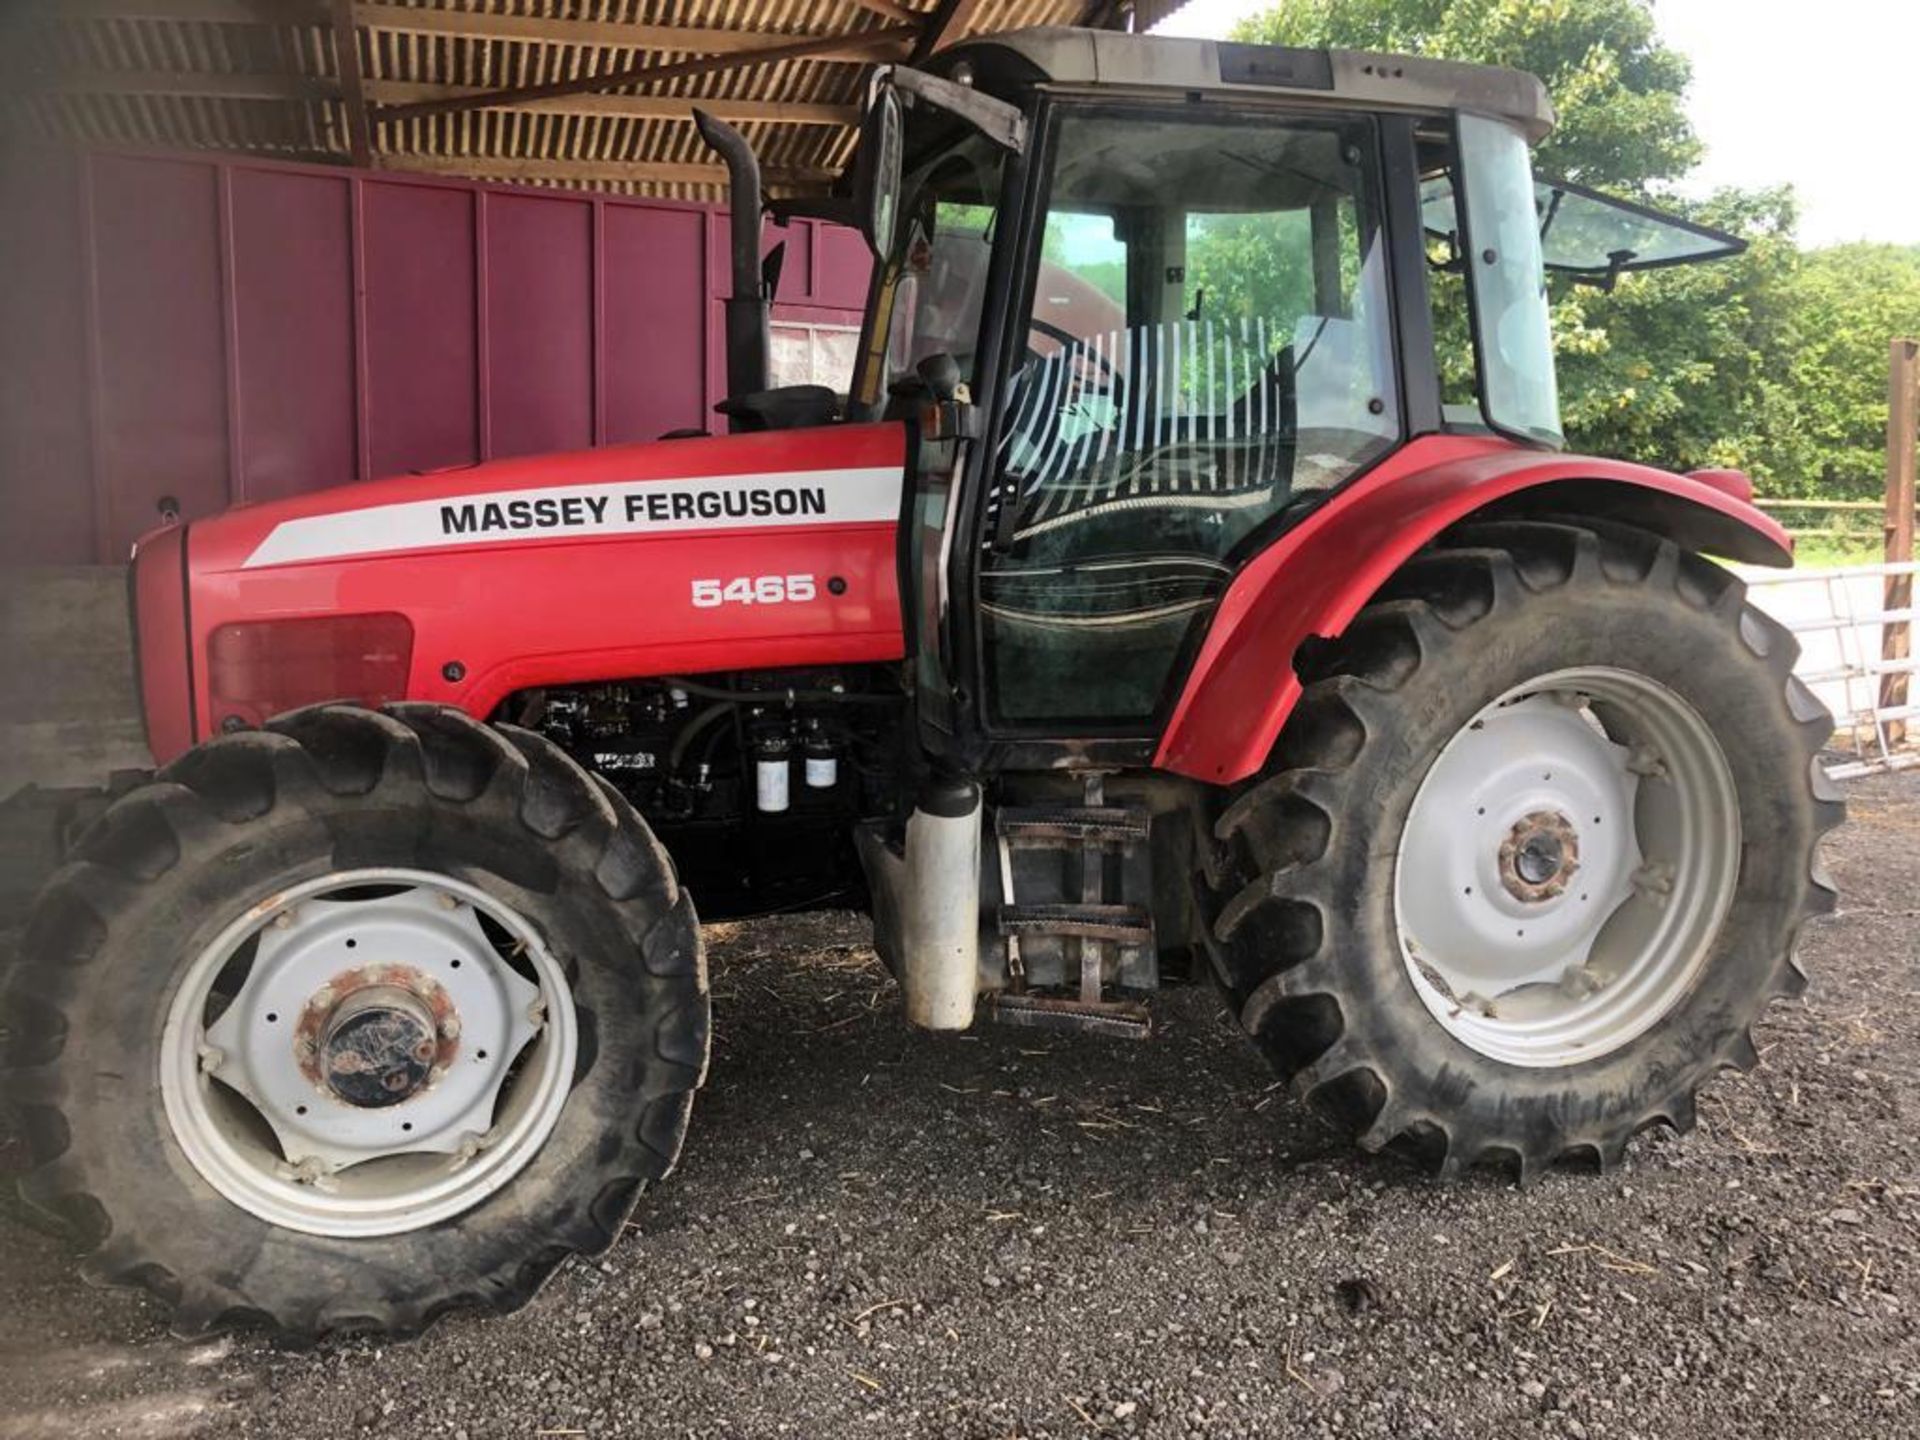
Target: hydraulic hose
{"x":770,"y":697}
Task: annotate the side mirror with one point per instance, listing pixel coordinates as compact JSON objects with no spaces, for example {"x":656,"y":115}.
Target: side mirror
{"x":877,"y":170}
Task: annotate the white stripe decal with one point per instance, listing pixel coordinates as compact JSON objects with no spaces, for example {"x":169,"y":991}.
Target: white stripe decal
{"x":624,"y":507}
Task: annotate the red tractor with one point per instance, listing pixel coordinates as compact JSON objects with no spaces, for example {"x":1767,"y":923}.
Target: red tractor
{"x":1193,"y":585}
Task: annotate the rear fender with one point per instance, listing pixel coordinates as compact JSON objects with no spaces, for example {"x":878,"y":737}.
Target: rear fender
{"x":1320,"y":574}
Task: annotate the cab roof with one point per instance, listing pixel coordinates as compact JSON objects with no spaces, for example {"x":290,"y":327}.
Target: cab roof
{"x":1104,"y":58}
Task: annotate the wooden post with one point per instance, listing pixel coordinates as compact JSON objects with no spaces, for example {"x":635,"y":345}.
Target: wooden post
{"x":1903,"y":439}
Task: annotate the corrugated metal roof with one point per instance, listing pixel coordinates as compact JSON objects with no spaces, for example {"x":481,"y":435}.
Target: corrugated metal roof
{"x":267,"y":76}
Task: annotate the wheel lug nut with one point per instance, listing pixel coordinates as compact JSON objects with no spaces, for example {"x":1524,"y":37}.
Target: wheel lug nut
{"x":211,"y":1058}
{"x":450,"y":1028}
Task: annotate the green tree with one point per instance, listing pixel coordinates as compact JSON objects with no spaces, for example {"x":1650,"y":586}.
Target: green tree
{"x":1847,"y":303}
{"x":1661,"y":369}
{"x":1618,"y":89}
{"x":1773,"y":362}
{"x":1687,"y":367}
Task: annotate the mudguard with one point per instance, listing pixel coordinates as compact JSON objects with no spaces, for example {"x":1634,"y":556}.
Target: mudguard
{"x":676,"y":556}
{"x":1318,"y":576}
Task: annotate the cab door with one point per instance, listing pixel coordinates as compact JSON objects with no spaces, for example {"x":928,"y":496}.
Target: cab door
{"x":1201,"y":350}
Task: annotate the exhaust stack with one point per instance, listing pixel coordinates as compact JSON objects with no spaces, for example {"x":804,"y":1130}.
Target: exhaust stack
{"x":747,"y":307}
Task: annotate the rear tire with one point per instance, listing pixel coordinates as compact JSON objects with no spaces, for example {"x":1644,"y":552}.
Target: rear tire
{"x":1309,"y":937}
{"x":222,"y":836}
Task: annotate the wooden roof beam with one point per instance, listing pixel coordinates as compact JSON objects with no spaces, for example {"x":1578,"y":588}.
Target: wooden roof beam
{"x":893,"y":11}
{"x":604,"y":34}
{"x":578,"y":172}
{"x":346,"y":64}
{"x":948,"y":22}
{"x":877,"y":44}
{"x":202,"y":84}
{"x":637,"y":107}
{"x":208,"y":12}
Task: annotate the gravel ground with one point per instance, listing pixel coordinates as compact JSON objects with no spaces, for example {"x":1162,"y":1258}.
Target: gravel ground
{"x":1004,"y":1235}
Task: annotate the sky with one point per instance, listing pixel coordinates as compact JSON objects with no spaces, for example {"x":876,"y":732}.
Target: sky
{"x":1825,"y":95}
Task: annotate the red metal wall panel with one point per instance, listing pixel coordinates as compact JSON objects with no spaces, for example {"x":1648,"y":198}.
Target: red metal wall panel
{"x":293,"y":370}
{"x":655,"y":284}
{"x":841,"y":265}
{"x":210,"y":330}
{"x":422,"y":327}
{"x":46,"y":509}
{"x":539,"y":324}
{"x":159,"y":341}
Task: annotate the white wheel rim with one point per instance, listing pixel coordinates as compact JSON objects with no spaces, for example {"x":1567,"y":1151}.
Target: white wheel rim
{"x":1566,"y":866}
{"x":259,"y":1061}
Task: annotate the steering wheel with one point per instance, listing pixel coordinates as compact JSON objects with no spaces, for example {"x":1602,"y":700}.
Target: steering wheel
{"x":1104,"y":377}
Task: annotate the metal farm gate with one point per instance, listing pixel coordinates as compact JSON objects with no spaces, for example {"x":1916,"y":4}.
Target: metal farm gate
{"x":1850,"y":656}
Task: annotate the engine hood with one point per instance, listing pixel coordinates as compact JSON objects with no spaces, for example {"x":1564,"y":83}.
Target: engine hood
{"x":463,"y":586}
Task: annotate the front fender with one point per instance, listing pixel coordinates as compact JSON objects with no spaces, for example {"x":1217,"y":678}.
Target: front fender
{"x":1320,"y":574}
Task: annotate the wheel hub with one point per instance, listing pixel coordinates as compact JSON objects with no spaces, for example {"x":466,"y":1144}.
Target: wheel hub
{"x":1539,"y":856}
{"x":379,"y":1044}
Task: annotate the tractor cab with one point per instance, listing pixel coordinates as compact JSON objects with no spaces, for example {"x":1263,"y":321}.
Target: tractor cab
{"x":1150,"y":302}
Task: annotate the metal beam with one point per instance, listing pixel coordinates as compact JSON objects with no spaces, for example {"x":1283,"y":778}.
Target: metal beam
{"x":605,"y":34}
{"x":638,"y":107}
{"x":874,"y":44}
{"x":639,"y":172}
{"x":948,"y":22}
{"x":346,"y":60}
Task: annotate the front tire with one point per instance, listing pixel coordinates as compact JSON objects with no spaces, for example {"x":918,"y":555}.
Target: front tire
{"x":352,"y":1021}
{"x":1427,"y":926}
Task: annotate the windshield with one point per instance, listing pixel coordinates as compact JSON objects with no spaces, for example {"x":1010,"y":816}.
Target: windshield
{"x":1509,"y":281}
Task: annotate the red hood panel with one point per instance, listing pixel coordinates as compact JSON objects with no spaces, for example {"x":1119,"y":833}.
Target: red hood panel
{"x":596,"y":565}
{"x":722,"y":482}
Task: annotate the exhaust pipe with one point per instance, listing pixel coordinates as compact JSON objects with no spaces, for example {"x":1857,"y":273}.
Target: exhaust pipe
{"x":940,"y":919}
{"x":747,"y":307}
{"x":926,"y":903}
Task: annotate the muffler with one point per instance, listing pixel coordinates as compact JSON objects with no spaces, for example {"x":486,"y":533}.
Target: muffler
{"x":926,"y":907}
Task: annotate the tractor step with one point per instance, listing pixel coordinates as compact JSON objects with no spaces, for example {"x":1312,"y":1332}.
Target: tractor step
{"x":1115,"y":924}
{"x":1074,"y":882}
{"x":1118,"y":1019}
{"x":1071,"y":825}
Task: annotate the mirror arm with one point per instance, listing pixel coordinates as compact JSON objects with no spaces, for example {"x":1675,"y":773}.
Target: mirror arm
{"x":1553,"y":210}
